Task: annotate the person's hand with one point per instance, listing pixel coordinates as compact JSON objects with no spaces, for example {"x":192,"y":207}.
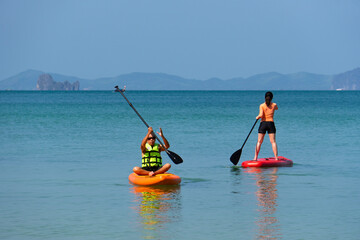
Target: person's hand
{"x":150,"y":130}
{"x":160,"y":133}
{"x":257,"y":117}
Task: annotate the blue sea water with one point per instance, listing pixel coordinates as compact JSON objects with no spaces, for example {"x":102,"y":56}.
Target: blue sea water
{"x":65,"y":158}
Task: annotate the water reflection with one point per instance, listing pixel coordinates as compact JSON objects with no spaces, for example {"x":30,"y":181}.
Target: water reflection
{"x":156,"y":206}
{"x":267,"y":223}
{"x":236,"y":178}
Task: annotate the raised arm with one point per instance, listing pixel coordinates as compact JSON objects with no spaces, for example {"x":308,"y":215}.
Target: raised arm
{"x":166,"y":143}
{"x":143,"y":142}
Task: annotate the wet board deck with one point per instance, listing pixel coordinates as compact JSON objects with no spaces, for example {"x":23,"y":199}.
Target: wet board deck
{"x":268,"y":162}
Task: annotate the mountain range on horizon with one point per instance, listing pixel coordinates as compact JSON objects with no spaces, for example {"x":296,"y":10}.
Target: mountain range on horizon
{"x":349,"y":80}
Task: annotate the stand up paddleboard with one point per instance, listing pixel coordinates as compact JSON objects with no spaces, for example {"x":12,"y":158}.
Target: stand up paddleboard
{"x":159,"y":179}
{"x":268,"y":162}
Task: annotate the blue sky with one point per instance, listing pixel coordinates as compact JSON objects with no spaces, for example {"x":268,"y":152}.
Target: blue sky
{"x":196,"y":39}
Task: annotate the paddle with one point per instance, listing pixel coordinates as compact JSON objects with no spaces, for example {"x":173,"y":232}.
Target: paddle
{"x":235,"y":157}
{"x":173,"y":156}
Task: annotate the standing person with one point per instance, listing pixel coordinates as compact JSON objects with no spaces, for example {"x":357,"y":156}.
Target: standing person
{"x":266,"y":113}
{"x":151,"y":157}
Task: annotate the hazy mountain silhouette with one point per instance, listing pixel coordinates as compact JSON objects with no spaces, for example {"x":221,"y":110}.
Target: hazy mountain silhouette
{"x":159,"y":81}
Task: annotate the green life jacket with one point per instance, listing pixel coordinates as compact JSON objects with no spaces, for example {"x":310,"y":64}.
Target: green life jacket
{"x":151,"y":157}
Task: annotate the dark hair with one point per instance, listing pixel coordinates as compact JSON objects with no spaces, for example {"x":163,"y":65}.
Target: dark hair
{"x":268,"y":98}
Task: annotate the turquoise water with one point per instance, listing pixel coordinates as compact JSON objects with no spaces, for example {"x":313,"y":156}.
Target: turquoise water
{"x":65,"y":158}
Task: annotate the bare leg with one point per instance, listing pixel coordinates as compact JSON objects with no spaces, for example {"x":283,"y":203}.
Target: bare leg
{"x":163,"y":169}
{"x":140,"y":171}
{"x":258,"y":144}
{"x":272,"y":137}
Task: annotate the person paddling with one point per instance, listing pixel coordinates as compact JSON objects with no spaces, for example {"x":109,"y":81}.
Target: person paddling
{"x":266,"y":113}
{"x":151,"y":157}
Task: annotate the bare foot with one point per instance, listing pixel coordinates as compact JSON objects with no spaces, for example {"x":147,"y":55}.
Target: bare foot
{"x":151,"y":174}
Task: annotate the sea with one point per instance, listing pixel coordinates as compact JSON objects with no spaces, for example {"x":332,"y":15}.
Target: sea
{"x":65,"y":158}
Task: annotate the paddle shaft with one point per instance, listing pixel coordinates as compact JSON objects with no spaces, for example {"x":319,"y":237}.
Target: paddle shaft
{"x":249,"y":133}
{"x":120,"y":91}
{"x":134,"y":108}
{"x":235,"y":157}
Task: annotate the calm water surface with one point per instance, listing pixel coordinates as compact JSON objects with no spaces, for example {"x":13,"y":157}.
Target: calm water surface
{"x":65,"y":158}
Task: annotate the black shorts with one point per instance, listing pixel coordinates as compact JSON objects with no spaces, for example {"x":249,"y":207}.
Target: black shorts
{"x":268,"y":127}
{"x":151,"y":169}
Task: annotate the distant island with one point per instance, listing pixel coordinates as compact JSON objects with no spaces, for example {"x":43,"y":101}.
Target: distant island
{"x":38,"y":80}
{"x":46,"y":83}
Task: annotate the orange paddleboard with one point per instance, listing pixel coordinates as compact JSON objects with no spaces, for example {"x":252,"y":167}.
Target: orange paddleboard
{"x":159,"y":179}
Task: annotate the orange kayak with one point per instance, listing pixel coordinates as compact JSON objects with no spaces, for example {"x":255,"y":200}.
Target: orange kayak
{"x":268,"y":162}
{"x":159,"y":179}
